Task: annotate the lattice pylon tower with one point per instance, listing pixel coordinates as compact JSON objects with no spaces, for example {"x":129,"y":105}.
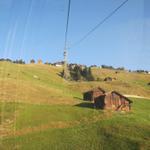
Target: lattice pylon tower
{"x":66,"y":74}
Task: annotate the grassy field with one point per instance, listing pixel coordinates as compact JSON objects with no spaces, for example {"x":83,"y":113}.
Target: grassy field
{"x":40,"y":111}
{"x":78,"y":127}
{"x":34,"y":83}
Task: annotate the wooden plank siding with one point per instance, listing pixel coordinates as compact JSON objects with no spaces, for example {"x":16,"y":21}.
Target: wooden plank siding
{"x":114,"y":101}
{"x":110,"y":100}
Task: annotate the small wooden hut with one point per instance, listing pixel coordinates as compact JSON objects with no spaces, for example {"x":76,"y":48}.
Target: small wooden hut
{"x":113,"y":100}
{"x":108,"y":79}
{"x":92,"y":94}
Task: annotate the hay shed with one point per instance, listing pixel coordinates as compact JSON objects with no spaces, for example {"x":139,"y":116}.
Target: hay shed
{"x":114,"y":101}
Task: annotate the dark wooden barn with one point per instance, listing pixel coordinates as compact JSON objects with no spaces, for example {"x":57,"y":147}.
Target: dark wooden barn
{"x":108,"y":79}
{"x":92,"y":94}
{"x":113,"y":100}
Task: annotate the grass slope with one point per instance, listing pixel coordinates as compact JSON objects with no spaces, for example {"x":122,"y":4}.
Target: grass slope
{"x":126,"y":82}
{"x":39,"y":110}
{"x":77,"y":127}
{"x":35,"y":83}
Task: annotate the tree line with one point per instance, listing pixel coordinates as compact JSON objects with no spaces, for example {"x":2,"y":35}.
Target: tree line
{"x":78,"y":73}
{"x":111,"y":67}
{"x":17,"y":61}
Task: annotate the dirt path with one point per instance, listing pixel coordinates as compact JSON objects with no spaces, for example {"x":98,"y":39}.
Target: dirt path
{"x":136,"y":96}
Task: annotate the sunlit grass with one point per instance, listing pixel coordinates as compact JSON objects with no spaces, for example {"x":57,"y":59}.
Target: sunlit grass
{"x":42,"y":111}
{"x":89,"y":128}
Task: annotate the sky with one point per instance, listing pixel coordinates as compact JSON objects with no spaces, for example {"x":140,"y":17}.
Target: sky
{"x":36,"y":28}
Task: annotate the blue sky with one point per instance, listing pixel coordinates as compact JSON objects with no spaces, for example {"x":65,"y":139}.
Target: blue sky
{"x":35,"y":29}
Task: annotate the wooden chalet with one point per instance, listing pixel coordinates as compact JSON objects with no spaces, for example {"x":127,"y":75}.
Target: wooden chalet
{"x":114,"y":101}
{"x":108,"y":79}
{"x":92,"y":94}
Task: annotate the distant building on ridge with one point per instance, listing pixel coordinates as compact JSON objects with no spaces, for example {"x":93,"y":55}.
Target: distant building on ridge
{"x":40,"y":61}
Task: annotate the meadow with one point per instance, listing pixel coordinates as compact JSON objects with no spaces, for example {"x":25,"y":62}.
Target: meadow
{"x":39,"y":110}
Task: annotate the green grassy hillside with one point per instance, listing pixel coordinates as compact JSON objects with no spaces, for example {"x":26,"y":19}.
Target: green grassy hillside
{"x":34,"y":83}
{"x":66,"y":127}
{"x":39,"y":110}
{"x":126,"y":82}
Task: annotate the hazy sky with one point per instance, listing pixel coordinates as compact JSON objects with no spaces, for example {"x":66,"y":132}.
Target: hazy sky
{"x":35,"y":29}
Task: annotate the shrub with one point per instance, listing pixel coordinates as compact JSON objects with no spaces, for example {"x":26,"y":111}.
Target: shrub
{"x":20,"y":61}
{"x":32,"y":61}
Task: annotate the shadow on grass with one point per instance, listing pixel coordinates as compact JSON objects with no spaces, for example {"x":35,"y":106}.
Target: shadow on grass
{"x":59,"y":74}
{"x":86,"y":105}
{"x":78,"y":98}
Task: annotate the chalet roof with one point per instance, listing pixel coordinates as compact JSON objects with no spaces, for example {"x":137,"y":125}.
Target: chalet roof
{"x":120,"y":95}
{"x":95,"y":89}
